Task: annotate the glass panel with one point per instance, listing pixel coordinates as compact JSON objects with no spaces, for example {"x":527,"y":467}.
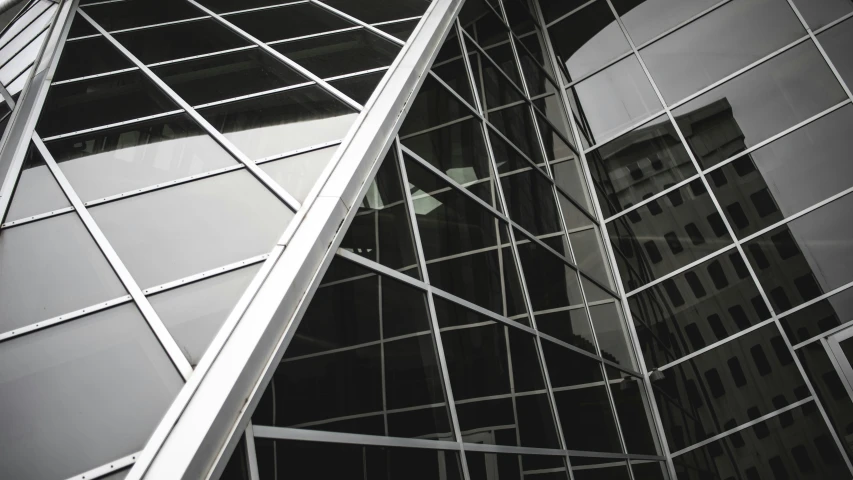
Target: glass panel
{"x":836,"y":41}
{"x":551,"y":283}
{"x":22,"y":61}
{"x":434,"y":105}
{"x":299,"y":173}
{"x":187,"y":229}
{"x":194,"y":313}
{"x":79,"y":380}
{"x":89,"y":56}
{"x":466,"y":247}
{"x":450,"y":67}
{"x":820,"y":317}
{"x":554,"y":9}
{"x":34,"y":12}
{"x":530,"y":202}
{"x":25,"y":36}
{"x":381,"y":230}
{"x":37,"y":191}
{"x":340,"y":53}
{"x":660,"y":240}
{"x":599,"y":469}
{"x":757,"y":378}
{"x":490,"y":360}
{"x":231,"y":75}
{"x":136,"y":13}
{"x":822,"y":12}
{"x":614,"y":99}
{"x":274,"y":124}
{"x":830,"y":390}
{"x":494,"y":87}
{"x":363,"y":349}
{"x":588,"y":39}
{"x":49,"y":268}
{"x":106,"y":100}
{"x":491,"y":466}
{"x":610,"y":330}
{"x":750,"y":108}
{"x":645,"y":470}
{"x":401,"y":30}
{"x":179,"y":40}
{"x":805,"y":258}
{"x":289,"y":21}
{"x":727,"y":303}
{"x":796,"y":444}
{"x":293,"y":460}
{"x":222,"y":6}
{"x":483,"y":22}
{"x":374,"y":11}
{"x":640,"y":163}
{"x":80,"y":27}
{"x":126,"y":158}
{"x":516,"y":124}
{"x":629,"y":396}
{"x":359,"y":88}
{"x":773,"y":182}
{"x":590,"y":254}
{"x":647,"y":19}
{"x":718,"y":44}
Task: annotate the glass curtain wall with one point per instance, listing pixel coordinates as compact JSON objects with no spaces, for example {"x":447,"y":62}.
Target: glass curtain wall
{"x":717,"y":135}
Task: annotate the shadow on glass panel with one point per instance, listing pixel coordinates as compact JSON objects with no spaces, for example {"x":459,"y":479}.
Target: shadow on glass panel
{"x":504,"y":466}
{"x":340,"y":53}
{"x":363,"y":360}
{"x":294,"y":460}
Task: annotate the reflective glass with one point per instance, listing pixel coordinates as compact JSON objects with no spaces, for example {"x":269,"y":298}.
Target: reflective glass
{"x":340,"y":53}
{"x":137,"y":13}
{"x":123,"y":159}
{"x":758,"y":104}
{"x":805,"y":258}
{"x":502,"y":57}
{"x":434,"y":105}
{"x":401,"y":30}
{"x":78,"y":381}
{"x":465,"y":246}
{"x":718,"y":44}
{"x":836,"y":41}
{"x":179,"y":40}
{"x":660,"y":241}
{"x":599,"y":469}
{"x":646,"y":19}
{"x":80,"y":27}
{"x":37,"y":191}
{"x":536,"y":78}
{"x":106,"y":100}
{"x":374,"y":11}
{"x":551,"y":283}
{"x":282,"y":122}
{"x":570,"y":326}
{"x":614,"y":99}
{"x":728,"y":303}
{"x":489,"y":466}
{"x":194,"y":313}
{"x":299,"y":173}
{"x":629,"y":397}
{"x":89,"y":56}
{"x":450,"y":67}
{"x":820,"y":317}
{"x":554,"y":9}
{"x":28,"y":16}
{"x":293,"y":460}
{"x":21,"y":39}
{"x":642,"y":162}
{"x":773,"y":182}
{"x":360,"y":87}
{"x":496,"y":87}
{"x":22,"y":61}
{"x":491,"y":360}
{"x":588,"y":39}
{"x":516,"y":124}
{"x":732,"y":384}
{"x":589,"y":253}
{"x":187,"y":229}
{"x":289,"y":21}
{"x":819,"y":13}
{"x":223,"y":6}
{"x":792,"y":445}
{"x":483,"y":21}
{"x":364,"y":348}
{"x":230,"y":75}
{"x":49,"y":268}
{"x":530,"y":202}
{"x":611,"y":332}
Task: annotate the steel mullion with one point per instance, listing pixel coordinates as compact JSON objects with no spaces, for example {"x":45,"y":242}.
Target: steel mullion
{"x":107,"y":468}
{"x":35,"y":218}
{"x":834,"y":23}
{"x":248,"y":96}
{"x":156,"y":25}
{"x":647,"y":119}
{"x":265,"y":7}
{"x":566,"y":15}
{"x":65,"y":317}
{"x":251,"y":452}
{"x":285,"y":433}
{"x":97,"y":75}
{"x":256,"y":171}
{"x":366,"y":26}
{"x":112,"y":125}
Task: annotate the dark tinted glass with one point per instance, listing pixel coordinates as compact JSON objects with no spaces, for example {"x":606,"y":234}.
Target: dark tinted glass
{"x":434,"y":105}
{"x":486,"y":466}
{"x":647,"y":19}
{"x":611,"y":331}
{"x":36,"y":191}
{"x":136,"y":13}
{"x":659,"y":242}
{"x":701,"y":53}
{"x":287,"y":459}
{"x":599,"y":469}
{"x":359,"y":88}
{"x":550,"y":282}
{"x":123,"y":159}
{"x":106,"y":100}
{"x":530,"y":202}
{"x":89,"y":56}
{"x":819,"y":317}
{"x":516,"y":124}
{"x":222,"y":6}
{"x":704,"y":392}
{"x":628,"y":396}
{"x":289,"y":21}
{"x":179,"y":40}
{"x":227,"y":76}
{"x":492,"y":360}
{"x":340,"y":53}
{"x":822,"y":12}
{"x":836,"y":42}
{"x":807,"y":257}
{"x":237,"y":467}
{"x":81,"y":27}
{"x":554,"y":9}
{"x":773,"y":182}
{"x":374,"y":11}
{"x":123,"y":366}
{"x":588,"y":39}
{"x":750,"y":108}
{"x":401,"y":30}
{"x":450,"y":67}
{"x":642,"y":162}
{"x":282,"y":122}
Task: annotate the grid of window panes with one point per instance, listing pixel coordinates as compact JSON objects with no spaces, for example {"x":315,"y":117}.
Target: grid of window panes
{"x":717,"y":137}
{"x":176,"y":141}
{"x":469,"y":326}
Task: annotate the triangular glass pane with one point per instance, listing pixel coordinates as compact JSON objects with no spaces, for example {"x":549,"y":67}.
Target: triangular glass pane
{"x":433,"y":106}
{"x":450,"y":66}
{"x":363,"y":360}
{"x":381,"y":230}
{"x":194,"y":313}
{"x":359,"y":87}
{"x":37,"y":191}
{"x":298,"y":174}
{"x":495,"y":89}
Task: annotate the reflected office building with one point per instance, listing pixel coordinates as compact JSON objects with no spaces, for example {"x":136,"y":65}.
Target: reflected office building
{"x":426,"y":239}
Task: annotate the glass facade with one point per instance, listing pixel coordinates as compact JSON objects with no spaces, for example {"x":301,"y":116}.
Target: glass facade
{"x":604,"y":239}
